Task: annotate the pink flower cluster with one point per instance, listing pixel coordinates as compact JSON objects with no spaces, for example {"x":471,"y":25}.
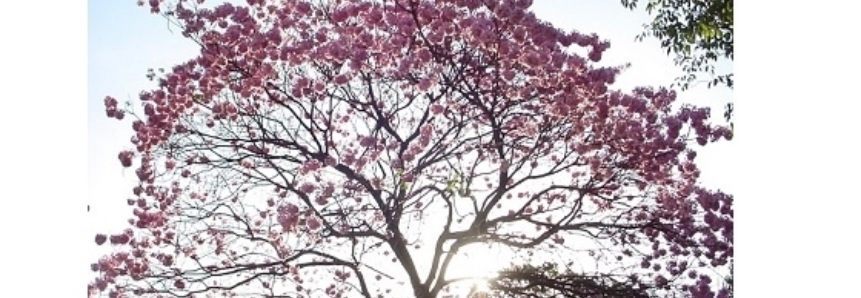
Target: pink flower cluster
{"x":112,"y":110}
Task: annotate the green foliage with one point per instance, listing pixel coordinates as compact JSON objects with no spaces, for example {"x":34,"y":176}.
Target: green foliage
{"x":698,"y":32}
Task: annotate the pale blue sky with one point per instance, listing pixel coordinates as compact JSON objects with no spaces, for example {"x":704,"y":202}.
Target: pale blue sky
{"x":126,"y":40}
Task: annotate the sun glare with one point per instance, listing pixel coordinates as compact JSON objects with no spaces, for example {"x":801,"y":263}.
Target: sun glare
{"x":480,"y":285}
{"x":476,"y":264}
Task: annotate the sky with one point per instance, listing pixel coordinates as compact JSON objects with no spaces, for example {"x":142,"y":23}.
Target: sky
{"x":125,"y":40}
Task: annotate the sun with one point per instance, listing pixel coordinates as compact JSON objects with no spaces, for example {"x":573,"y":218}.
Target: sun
{"x":475,"y":265}
{"x":478,"y":290}
{"x":475,"y":262}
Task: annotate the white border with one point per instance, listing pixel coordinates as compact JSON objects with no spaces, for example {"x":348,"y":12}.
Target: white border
{"x":43,"y":148}
{"x":798,"y":127}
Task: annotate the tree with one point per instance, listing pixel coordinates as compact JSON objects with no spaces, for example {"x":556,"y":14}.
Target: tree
{"x":698,"y":32}
{"x":551,"y":280}
{"x":357,"y":148}
{"x":547,"y":280}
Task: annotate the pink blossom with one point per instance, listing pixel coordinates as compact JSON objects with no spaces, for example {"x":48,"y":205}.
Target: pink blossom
{"x":341,"y":79}
{"x":321,"y":200}
{"x":313,"y":223}
{"x":307,"y":188}
{"x":101,"y":238}
{"x":126,"y":158}
{"x":437,"y":109}
{"x":367,"y":141}
{"x":170,"y":164}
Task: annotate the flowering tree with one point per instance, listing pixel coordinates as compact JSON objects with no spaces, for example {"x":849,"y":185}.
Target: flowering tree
{"x":356,"y":148}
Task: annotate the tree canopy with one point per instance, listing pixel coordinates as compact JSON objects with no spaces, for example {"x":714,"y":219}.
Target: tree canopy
{"x":698,"y":32}
{"x":357,"y":148}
